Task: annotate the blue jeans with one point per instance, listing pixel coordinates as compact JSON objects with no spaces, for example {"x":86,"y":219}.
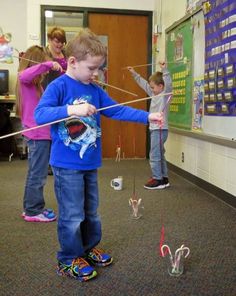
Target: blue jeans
{"x":79,"y":225}
{"x":38,"y":157}
{"x":157,"y":154}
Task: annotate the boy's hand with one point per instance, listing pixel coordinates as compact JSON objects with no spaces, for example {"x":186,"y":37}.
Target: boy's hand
{"x":81,"y":110}
{"x":131,"y":69}
{"x":157,"y":118}
{"x":57,"y":67}
{"x":162,"y":64}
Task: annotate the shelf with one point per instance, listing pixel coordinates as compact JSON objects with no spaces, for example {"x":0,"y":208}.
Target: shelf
{"x":8,"y":99}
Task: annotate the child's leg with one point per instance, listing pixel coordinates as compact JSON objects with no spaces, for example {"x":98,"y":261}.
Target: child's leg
{"x":163,"y":159}
{"x":91,"y":226}
{"x":76,"y":231}
{"x":155,"y":155}
{"x":38,"y":158}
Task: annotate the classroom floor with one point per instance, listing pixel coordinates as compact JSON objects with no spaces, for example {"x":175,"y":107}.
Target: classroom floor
{"x":190,"y":216}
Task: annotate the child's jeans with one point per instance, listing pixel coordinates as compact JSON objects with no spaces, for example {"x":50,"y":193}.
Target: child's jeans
{"x":38,"y":157}
{"x":79,"y":225}
{"x":157,"y":153}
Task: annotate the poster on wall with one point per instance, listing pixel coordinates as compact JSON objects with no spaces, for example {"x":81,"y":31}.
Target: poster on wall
{"x":198,"y":94}
{"x":179,"y":56}
{"x":193,"y":5}
{"x":220,"y":58}
{"x":6,"y":51}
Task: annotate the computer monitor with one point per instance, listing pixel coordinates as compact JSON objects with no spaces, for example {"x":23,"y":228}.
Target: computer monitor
{"x":4,"y":82}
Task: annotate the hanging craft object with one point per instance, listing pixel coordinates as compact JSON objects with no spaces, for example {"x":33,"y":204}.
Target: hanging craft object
{"x":118,"y":150}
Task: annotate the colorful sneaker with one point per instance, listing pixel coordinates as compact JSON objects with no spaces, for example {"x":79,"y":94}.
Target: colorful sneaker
{"x":51,"y":213}
{"x":45,"y":216}
{"x":79,"y":270}
{"x":154,"y":184}
{"x":166,"y":182}
{"x":99,"y":258}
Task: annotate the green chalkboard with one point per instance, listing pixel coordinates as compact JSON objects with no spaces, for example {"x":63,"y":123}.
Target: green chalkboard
{"x":179,"y":48}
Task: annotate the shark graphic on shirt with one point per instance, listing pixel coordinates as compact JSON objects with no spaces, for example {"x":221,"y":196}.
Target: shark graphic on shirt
{"x":80,"y":133}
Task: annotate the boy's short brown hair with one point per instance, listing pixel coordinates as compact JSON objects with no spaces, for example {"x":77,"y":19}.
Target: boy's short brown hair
{"x":157,"y":78}
{"x":85,"y":42}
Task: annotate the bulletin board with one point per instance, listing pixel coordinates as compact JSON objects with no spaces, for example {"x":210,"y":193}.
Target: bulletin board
{"x":179,"y":57}
{"x":201,"y":52}
{"x":220,"y":59}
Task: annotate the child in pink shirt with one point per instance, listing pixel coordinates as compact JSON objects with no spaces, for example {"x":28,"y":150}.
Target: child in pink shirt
{"x":33,"y":66}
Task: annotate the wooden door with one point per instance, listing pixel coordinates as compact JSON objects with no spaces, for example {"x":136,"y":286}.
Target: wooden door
{"x":127,"y":46}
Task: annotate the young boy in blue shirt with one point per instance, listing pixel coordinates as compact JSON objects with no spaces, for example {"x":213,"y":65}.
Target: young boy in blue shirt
{"x":76,"y":152}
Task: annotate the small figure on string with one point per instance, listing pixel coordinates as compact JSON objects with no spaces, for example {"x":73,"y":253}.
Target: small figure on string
{"x":135,"y":203}
{"x":118,"y":150}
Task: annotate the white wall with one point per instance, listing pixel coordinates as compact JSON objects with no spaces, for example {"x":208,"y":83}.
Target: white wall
{"x":167,"y":12}
{"x":213,"y":163}
{"x":33,"y":10}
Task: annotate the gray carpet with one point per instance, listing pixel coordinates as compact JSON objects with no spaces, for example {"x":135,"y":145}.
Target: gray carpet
{"x":190,"y":216}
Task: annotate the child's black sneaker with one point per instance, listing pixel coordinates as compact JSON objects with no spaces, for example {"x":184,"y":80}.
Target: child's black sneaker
{"x":166,"y":182}
{"x":99,"y":257}
{"x":154,"y":184}
{"x":79,"y":269}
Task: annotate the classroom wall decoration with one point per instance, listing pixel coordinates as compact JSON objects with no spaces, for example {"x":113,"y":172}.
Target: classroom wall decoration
{"x":179,"y":57}
{"x":201,"y":56}
{"x":220,"y":58}
{"x":198,"y":93}
{"x":193,"y":5}
{"x":6,"y":50}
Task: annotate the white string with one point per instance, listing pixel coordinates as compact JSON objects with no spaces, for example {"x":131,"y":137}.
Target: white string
{"x":115,"y":87}
{"x":70,"y":117}
{"x":100,"y":82}
{"x":143,"y":65}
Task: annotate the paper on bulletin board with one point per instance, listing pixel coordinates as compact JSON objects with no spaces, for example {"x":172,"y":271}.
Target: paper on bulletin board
{"x":198,"y":95}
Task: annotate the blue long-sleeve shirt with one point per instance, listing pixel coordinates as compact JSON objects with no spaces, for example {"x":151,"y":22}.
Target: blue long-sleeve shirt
{"x":76,"y":143}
